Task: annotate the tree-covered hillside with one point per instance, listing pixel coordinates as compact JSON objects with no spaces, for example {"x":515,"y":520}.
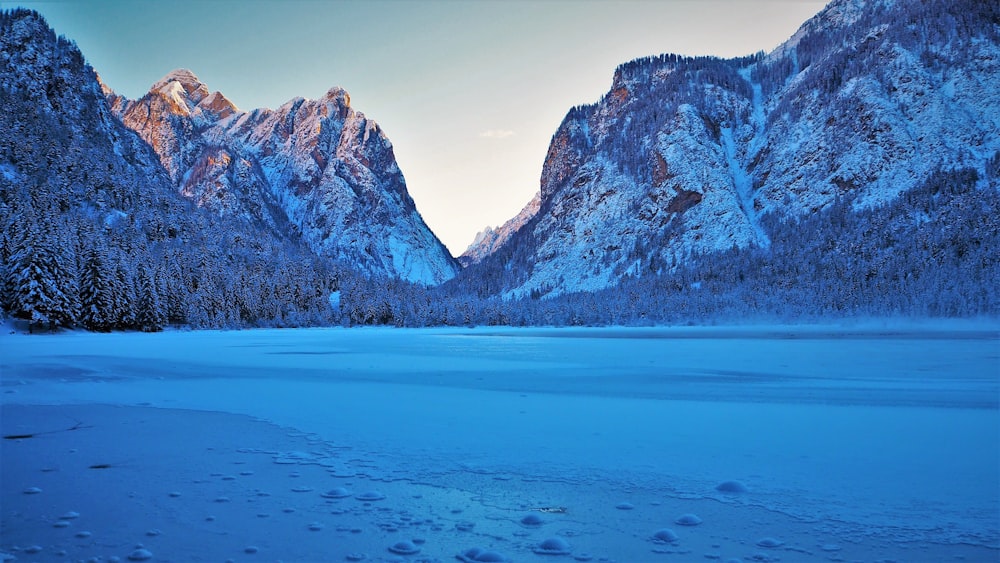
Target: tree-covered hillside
{"x":93,"y":233}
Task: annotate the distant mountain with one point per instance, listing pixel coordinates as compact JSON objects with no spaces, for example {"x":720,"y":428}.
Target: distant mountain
{"x":317,"y":168}
{"x":689,"y":157}
{"x":489,"y":239}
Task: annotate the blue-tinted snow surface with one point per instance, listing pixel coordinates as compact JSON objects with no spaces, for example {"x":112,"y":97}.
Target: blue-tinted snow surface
{"x":850,"y":443}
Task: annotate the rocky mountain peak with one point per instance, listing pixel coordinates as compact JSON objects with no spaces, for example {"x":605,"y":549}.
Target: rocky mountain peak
{"x":311,"y":169}
{"x":339,"y":96}
{"x":185,"y":78}
{"x":187,"y":95}
{"x":182,"y":85}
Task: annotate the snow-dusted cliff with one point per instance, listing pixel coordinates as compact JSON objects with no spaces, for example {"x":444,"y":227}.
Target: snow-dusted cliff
{"x":316,"y":168}
{"x":688,"y":156}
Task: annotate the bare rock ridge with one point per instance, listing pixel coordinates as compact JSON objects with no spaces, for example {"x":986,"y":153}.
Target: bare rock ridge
{"x":318,"y":169}
{"x":686,"y":156}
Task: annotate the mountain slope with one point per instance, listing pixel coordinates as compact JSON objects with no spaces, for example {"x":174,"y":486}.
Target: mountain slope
{"x":685,"y":157}
{"x":318,"y":167}
{"x":94,"y":233}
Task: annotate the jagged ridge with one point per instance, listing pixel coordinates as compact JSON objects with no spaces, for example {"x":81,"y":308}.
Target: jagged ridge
{"x":318,"y":168}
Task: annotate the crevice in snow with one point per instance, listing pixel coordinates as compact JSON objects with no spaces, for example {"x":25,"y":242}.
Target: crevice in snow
{"x":742,"y":180}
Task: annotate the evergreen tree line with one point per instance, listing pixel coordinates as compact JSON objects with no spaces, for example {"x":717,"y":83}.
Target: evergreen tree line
{"x":103,"y":271}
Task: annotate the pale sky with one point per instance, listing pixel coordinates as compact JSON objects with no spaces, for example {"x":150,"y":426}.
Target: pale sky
{"x":469,"y":92}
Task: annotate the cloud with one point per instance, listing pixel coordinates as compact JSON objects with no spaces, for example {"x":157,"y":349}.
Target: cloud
{"x":497,"y":133}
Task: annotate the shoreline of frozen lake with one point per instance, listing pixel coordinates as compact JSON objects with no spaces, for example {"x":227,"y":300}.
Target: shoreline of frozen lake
{"x":880,"y":442}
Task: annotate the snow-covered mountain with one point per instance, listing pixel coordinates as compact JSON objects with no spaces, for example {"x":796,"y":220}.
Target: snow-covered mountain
{"x":688,"y":156}
{"x":93,"y":232}
{"x":490,"y":239}
{"x":317,"y":167}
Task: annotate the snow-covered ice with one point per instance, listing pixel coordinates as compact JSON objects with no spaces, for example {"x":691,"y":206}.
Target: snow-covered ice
{"x":783,"y":444}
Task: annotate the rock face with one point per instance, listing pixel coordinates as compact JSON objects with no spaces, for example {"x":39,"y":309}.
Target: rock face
{"x":312,"y":168}
{"x":688,"y":156}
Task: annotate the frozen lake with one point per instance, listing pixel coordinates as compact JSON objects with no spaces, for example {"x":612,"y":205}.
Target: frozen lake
{"x":852,"y":444}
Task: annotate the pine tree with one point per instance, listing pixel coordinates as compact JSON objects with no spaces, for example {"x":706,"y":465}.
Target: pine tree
{"x":176,"y":293}
{"x":124,"y":296}
{"x":150,"y":316}
{"x":97,"y":286}
{"x":8,"y":243}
